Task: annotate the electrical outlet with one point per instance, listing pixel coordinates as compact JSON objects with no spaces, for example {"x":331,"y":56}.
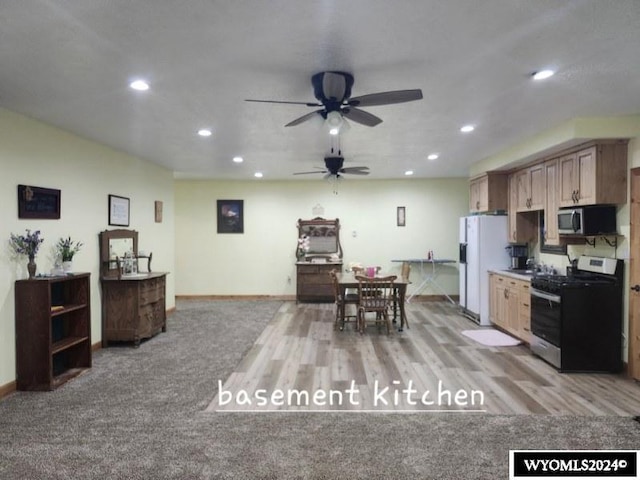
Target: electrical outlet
{"x":354,"y":234}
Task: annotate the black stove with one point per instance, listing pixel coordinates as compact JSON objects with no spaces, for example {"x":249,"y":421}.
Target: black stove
{"x":581,"y":279}
{"x":576,"y":320}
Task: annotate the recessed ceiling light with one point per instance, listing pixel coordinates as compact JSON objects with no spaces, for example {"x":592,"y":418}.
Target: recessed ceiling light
{"x":408,"y":172}
{"x":238,"y":159}
{"x":433,"y":156}
{"x":542,"y":74}
{"x":139,"y":85}
{"x":204,"y":132}
{"x":467,"y":129}
{"x":258,"y":174}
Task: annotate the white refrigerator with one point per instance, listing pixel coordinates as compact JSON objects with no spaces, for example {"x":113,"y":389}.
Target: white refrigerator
{"x":483,"y":241}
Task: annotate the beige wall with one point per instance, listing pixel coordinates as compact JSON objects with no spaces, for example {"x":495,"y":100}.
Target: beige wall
{"x":261,"y":261}
{"x":32,"y":153}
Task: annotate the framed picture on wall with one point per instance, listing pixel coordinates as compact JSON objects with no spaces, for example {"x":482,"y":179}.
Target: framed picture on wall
{"x":158,"y":210}
{"x":38,"y":202}
{"x":118,"y":211}
{"x":400,"y":217}
{"x":230,"y":215}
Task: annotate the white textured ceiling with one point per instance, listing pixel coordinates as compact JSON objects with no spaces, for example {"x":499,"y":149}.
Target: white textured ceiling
{"x":69,"y":62}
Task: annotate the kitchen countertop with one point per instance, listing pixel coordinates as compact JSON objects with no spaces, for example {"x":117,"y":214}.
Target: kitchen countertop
{"x":517,"y":274}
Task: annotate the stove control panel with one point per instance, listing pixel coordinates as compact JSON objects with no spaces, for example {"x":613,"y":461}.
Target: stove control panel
{"x":597,"y":264}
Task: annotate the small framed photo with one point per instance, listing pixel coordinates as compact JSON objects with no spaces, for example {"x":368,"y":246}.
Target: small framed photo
{"x":400,"y":217}
{"x":230,"y":216}
{"x":158,"y":211}
{"x":38,"y":202}
{"x":118,"y":211}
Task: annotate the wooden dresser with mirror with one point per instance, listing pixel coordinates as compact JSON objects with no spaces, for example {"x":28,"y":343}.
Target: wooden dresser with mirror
{"x":133,"y":297}
{"x":324,"y":253}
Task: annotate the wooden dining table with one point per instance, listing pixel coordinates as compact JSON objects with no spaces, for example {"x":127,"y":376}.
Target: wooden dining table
{"x":348,"y":280}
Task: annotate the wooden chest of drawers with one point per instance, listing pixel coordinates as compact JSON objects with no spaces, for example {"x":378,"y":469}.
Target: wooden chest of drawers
{"x":133,"y":308}
{"x":314,"y":283}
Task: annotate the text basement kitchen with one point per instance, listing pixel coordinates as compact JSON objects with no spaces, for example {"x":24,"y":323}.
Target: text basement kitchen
{"x":382,"y":396}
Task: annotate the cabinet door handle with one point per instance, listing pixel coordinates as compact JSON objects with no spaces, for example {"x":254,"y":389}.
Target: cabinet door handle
{"x":577,"y":196}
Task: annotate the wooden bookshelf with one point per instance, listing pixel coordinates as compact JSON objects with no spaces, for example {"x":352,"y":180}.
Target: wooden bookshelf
{"x":53,"y":330}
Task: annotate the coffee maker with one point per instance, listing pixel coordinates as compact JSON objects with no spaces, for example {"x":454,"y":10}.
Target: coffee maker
{"x":519,"y":255}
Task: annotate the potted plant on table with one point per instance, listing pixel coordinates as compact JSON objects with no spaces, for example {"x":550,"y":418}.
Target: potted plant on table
{"x":66,"y":249}
{"x":28,"y":245}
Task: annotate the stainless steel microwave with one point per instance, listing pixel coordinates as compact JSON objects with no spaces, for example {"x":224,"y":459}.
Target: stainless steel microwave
{"x":587,"y":220}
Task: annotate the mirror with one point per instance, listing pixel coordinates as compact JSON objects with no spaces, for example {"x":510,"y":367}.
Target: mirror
{"x":114,"y":244}
{"x":323,"y":236}
{"x":119,"y":246}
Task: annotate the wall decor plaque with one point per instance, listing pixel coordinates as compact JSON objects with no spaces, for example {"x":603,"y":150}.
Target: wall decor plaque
{"x":38,"y":202}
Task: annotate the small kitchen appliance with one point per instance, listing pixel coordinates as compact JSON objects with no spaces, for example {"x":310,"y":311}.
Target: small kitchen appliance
{"x":518,"y":255}
{"x":587,"y":220}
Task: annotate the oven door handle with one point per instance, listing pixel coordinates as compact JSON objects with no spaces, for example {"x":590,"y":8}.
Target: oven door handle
{"x":545,"y":296}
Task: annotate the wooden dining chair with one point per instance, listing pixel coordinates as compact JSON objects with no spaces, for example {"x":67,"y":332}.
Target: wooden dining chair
{"x":341,"y":302}
{"x":375,"y":295}
{"x":405,"y":273}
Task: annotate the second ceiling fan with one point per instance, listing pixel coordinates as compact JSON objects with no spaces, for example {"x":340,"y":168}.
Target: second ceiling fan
{"x":333,"y":92}
{"x":335,"y":168}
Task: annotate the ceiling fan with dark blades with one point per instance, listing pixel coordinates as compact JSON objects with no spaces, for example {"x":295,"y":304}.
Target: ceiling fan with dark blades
{"x":334,"y":168}
{"x":333,"y":92}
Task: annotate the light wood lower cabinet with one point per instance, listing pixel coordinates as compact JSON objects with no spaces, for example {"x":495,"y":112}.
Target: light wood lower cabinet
{"x":133,"y":308}
{"x":510,"y":306}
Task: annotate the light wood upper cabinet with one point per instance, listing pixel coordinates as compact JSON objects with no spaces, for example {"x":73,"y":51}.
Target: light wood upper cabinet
{"x":530,"y":186}
{"x":595,"y":175}
{"x":522,"y":225}
{"x":488,"y":193}
{"x":551,"y":236}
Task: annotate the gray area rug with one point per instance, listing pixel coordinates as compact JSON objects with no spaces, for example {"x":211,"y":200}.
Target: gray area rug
{"x":138,"y":414}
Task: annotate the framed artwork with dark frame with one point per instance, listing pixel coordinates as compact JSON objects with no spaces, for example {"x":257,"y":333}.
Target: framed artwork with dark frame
{"x":401,"y":217}
{"x":118,"y":211}
{"x":230,"y":215}
{"x":158,"y":211}
{"x":38,"y":202}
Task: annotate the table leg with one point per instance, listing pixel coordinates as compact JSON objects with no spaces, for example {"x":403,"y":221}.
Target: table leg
{"x":402,"y":291}
{"x":342,"y":306}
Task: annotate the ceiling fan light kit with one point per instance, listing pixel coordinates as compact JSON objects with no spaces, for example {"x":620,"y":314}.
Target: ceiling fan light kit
{"x":333,"y":92}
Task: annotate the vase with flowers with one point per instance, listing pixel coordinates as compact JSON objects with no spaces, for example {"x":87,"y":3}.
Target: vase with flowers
{"x":66,"y":249}
{"x":28,"y":245}
{"x":303,"y":247}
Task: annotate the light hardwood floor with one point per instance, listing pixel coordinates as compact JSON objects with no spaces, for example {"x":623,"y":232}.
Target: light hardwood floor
{"x":428,"y":367}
